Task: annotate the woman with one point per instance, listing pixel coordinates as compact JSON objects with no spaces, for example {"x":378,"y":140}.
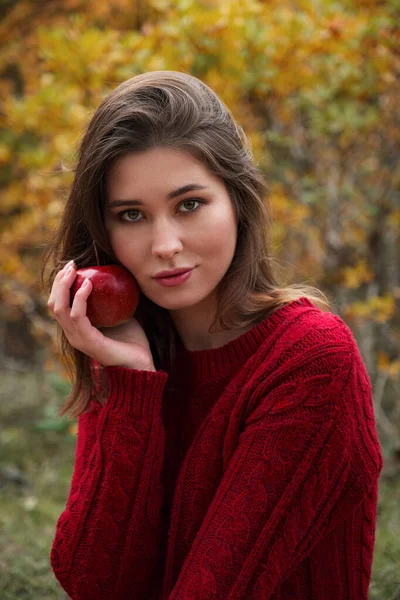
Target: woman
{"x":226,"y":438}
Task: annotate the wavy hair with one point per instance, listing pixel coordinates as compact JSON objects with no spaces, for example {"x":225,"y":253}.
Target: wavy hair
{"x":175,"y":110}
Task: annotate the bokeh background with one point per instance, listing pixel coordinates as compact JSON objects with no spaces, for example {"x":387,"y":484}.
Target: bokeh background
{"x":316,"y":86}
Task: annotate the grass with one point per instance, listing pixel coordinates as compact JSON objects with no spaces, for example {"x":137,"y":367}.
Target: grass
{"x":35,"y":472}
{"x":36,"y":459}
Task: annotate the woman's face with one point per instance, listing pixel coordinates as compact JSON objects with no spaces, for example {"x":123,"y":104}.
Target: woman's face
{"x":193,"y":229}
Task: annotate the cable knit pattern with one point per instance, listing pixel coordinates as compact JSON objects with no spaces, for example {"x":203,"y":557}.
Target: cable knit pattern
{"x":246,"y":471}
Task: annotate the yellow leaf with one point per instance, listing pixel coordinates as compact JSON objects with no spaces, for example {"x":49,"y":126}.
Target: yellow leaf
{"x":73,"y":429}
{"x":5,"y":154}
{"x":354,"y":277}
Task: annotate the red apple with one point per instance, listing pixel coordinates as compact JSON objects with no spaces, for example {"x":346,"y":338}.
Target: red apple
{"x":114,"y":296}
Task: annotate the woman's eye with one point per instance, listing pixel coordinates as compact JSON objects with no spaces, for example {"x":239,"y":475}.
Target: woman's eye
{"x":129,"y":220}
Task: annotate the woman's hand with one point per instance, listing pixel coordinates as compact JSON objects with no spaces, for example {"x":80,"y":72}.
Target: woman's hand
{"x":125,"y":345}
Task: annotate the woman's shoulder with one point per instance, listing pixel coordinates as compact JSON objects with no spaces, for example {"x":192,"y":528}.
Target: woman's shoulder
{"x":313,"y":352}
{"x":309,"y":334}
{"x":313,"y":327}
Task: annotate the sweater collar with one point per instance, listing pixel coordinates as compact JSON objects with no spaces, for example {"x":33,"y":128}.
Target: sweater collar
{"x":216,"y":362}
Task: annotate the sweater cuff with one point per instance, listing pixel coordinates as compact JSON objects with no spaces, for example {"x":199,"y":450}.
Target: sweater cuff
{"x":133,"y":392}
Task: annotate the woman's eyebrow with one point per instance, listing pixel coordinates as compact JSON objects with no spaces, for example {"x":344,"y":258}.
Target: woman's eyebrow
{"x":190,"y":187}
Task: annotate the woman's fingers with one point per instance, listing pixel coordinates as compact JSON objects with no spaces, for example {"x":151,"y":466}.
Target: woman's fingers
{"x":62,"y":294}
{"x":129,"y":348}
{"x":55,"y":288}
{"x":73,"y":320}
{"x":79,"y":305}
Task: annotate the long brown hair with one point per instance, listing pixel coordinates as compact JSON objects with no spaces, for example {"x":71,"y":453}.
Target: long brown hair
{"x":176,"y":110}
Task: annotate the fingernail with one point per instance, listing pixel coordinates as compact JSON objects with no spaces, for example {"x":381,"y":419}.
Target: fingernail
{"x":69,"y":264}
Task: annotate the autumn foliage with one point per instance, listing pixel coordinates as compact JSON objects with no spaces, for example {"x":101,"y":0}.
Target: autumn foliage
{"x":316,"y":86}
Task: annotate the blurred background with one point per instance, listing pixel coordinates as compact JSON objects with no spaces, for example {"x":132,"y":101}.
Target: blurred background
{"x":316,"y":86}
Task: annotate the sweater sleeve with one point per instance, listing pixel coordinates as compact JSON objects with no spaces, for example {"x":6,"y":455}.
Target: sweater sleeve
{"x":87,"y":423}
{"x":306,"y":457}
{"x":107,"y":539}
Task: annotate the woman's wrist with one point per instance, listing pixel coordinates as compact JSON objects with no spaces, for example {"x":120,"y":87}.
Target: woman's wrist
{"x":147,"y":367}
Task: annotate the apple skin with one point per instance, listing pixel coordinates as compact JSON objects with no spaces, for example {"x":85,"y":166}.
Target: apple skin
{"x":114,"y":296}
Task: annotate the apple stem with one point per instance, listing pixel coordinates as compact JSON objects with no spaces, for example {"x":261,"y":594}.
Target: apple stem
{"x":95,"y":251}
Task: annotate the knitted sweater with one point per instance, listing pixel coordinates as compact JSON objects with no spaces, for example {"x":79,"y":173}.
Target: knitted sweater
{"x":248,"y":471}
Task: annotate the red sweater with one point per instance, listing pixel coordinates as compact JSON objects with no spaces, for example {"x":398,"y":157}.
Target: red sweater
{"x":249,"y":471}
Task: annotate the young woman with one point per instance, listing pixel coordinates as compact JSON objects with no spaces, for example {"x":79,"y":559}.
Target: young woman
{"x":226,"y":444}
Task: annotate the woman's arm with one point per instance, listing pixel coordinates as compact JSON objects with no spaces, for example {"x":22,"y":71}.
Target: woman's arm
{"x":107,"y":539}
{"x":86,"y":437}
